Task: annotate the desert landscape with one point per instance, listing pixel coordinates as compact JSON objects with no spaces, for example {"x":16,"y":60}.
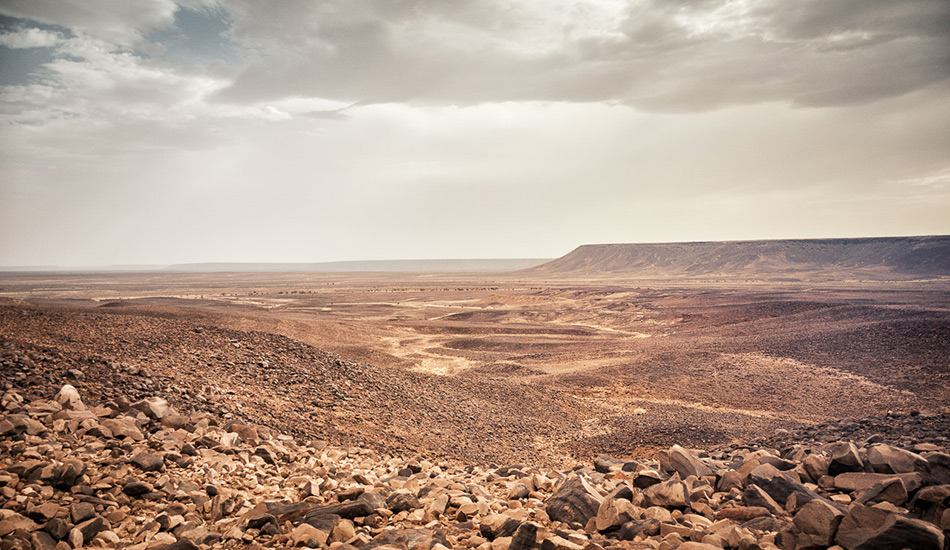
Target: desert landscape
{"x":578,"y":360}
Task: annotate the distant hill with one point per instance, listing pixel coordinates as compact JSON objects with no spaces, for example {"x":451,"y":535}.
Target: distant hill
{"x":870,"y":258}
{"x":396,"y":266}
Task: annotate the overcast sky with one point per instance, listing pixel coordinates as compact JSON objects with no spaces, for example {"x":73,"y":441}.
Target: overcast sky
{"x":158,"y":132}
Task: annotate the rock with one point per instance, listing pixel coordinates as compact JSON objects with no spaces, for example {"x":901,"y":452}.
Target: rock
{"x":669,"y":494}
{"x":135,"y":488}
{"x":685,"y":463}
{"x":816,"y":524}
{"x":742,"y":513}
{"x":155,"y":408}
{"x":868,"y":528}
{"x":779,"y":485}
{"x":408,"y":538}
{"x":122,"y":428}
{"x":41,"y":540}
{"x":308,"y":535}
{"x":82,"y":511}
{"x":614,"y":512}
{"x":886,"y":459}
{"x":401,"y":502}
{"x":90,"y":528}
{"x":148,"y":462}
{"x":605,"y":464}
{"x":177,"y":545}
{"x":498,"y":525}
{"x":525,"y":537}
{"x":755,"y":497}
{"x":16,"y":522}
{"x":845,"y":458}
{"x":860,"y":481}
{"x":649,"y":527}
{"x":689,"y":545}
{"x":69,"y":398}
{"x":574,"y":502}
{"x":890,"y":490}
{"x":816,"y":466}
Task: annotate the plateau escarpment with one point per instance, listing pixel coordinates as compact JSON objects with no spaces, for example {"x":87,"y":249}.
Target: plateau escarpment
{"x":826,"y":259}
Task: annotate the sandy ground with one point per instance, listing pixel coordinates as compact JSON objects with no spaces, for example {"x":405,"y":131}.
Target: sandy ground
{"x":648,"y":359}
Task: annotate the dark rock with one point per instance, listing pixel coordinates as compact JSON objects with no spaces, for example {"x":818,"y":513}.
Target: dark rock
{"x":401,"y":502}
{"x":525,"y":537}
{"x":629,"y":530}
{"x":82,"y":511}
{"x":575,"y":501}
{"x":678,"y":459}
{"x":91,"y":528}
{"x":137,"y":488}
{"x":148,"y":462}
{"x":868,"y":528}
{"x":779,"y":485}
{"x":845,"y":458}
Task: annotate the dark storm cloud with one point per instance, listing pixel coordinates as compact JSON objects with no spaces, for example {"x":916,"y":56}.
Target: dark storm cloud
{"x":657,"y":55}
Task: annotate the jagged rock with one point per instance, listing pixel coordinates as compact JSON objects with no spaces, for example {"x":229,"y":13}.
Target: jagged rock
{"x":860,"y":481}
{"x":308,"y":535}
{"x":148,"y":462}
{"x":649,"y":527}
{"x":868,"y":528}
{"x":91,"y":527}
{"x":82,"y":511}
{"x":16,"y":522}
{"x":498,"y":525}
{"x":938,"y":467}
{"x":754,"y":496}
{"x":682,"y":461}
{"x":574,"y":502}
{"x":69,"y":398}
{"x":646,"y":478}
{"x":401,"y":502}
{"x":845,"y":458}
{"x":816,"y":466}
{"x":614,"y":512}
{"x":670,"y":494}
{"x":155,"y":408}
{"x":890,"y":490}
{"x":814,"y":526}
{"x":886,"y":459}
{"x":605,"y":464}
{"x":525,"y":537}
{"x":779,"y":485}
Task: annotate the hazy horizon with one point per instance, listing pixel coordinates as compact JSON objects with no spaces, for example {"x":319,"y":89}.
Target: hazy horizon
{"x":196,"y":131}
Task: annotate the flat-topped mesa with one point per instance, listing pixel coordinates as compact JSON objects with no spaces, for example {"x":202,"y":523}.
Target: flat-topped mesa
{"x":144,"y":476}
{"x":869,"y":258}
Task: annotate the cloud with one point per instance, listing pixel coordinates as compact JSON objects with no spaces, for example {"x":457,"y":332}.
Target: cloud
{"x":654,"y":55}
{"x":29,"y":38}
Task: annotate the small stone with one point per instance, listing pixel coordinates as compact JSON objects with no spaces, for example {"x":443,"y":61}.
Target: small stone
{"x":148,"y":462}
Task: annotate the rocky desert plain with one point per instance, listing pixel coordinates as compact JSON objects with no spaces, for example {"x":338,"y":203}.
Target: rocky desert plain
{"x":697,"y":396}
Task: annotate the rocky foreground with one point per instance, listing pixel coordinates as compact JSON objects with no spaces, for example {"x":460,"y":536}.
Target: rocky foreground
{"x":141,"y":475}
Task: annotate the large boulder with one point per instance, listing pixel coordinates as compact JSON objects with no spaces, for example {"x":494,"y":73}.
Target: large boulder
{"x":780,"y":486}
{"x":868,"y":528}
{"x":678,"y":459}
{"x":574,"y":502}
{"x":845,"y":458}
{"x":886,"y":459}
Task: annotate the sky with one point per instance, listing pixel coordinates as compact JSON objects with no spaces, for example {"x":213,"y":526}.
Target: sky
{"x":163,"y":131}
